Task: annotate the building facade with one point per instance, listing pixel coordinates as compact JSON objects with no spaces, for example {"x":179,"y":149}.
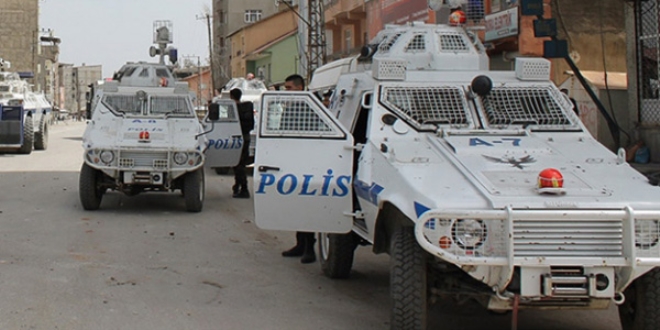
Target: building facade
{"x":228,"y":17}
{"x":67,"y":93}
{"x":252,"y":48}
{"x":81,"y":78}
{"x":19,"y":27}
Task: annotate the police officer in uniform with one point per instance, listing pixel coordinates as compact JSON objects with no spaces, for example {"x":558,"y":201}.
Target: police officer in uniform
{"x":246,"y":117}
{"x":304,"y":240}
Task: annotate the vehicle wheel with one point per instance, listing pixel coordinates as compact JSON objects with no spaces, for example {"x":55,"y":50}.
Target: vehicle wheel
{"x":28,"y":137}
{"x":193,"y":190}
{"x":640,"y":309}
{"x":336,"y":251}
{"x":221,"y":170}
{"x":408,"y":286}
{"x":41,"y":137}
{"x":90,"y":189}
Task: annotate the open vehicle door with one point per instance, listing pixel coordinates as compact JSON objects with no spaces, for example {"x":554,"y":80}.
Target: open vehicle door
{"x":225,"y":138}
{"x":303,"y":166}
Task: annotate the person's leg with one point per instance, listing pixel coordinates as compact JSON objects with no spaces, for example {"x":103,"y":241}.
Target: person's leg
{"x":240,"y":176}
{"x":298,"y":249}
{"x":309,"y":255}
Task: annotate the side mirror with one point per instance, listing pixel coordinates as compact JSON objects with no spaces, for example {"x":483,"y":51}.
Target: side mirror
{"x":214,"y":112}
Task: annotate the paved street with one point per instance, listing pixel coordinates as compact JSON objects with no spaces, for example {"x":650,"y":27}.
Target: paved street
{"x":144,"y":263}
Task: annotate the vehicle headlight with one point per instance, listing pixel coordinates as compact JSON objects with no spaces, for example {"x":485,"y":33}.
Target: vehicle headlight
{"x":107,"y":156}
{"x":469,"y":233}
{"x":180,"y":158}
{"x":647,"y":233}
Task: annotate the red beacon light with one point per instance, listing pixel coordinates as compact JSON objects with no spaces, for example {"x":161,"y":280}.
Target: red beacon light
{"x":551,"y":178}
{"x":457,"y":17}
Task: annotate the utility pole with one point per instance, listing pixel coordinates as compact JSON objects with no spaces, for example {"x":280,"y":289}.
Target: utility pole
{"x":208,"y":17}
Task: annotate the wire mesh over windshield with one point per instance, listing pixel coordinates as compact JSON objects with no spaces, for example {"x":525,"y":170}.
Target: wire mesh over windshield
{"x":123,"y":103}
{"x":524,"y":106}
{"x":296,"y":115}
{"x":168,"y":105}
{"x":428,"y":105}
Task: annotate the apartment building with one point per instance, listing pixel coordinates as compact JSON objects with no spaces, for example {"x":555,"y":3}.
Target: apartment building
{"x":228,"y":17}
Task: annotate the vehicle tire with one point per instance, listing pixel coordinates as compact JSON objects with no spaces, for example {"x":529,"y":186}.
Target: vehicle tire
{"x":336,"y":254}
{"x":640,"y":309}
{"x":90,"y":189}
{"x":193,"y":190}
{"x":41,"y":137}
{"x":221,"y":170}
{"x":28,"y":137}
{"x":408,"y":282}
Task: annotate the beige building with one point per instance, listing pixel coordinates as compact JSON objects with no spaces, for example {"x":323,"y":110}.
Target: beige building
{"x":19,"y":27}
{"x":228,"y":17}
{"x":82,"y":77}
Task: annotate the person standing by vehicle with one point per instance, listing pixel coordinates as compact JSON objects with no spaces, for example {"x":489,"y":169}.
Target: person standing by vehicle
{"x":246,"y":117}
{"x":304,"y":240}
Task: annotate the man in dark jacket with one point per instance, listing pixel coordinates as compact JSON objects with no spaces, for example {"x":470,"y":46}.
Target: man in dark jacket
{"x":246,"y":116}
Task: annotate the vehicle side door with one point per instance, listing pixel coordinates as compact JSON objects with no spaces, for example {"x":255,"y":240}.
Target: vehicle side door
{"x":225,"y":140}
{"x":303,"y":166}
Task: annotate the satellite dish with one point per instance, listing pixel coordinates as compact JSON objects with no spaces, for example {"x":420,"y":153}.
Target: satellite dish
{"x":435,"y":5}
{"x":153,"y":51}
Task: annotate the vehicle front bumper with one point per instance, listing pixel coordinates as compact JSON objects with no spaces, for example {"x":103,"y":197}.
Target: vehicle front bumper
{"x":144,"y":167}
{"x":557,"y":253}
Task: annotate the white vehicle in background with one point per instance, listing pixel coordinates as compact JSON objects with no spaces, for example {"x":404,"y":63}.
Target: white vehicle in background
{"x":28,"y":130}
{"x":144,"y":135}
{"x":252,"y":90}
{"x":478,"y":183}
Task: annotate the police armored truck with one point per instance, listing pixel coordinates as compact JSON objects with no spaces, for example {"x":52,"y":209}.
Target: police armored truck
{"x":477,"y":183}
{"x":24,"y":114}
{"x":144,"y":135}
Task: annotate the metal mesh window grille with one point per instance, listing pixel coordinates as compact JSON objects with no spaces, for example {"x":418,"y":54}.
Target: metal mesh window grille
{"x":123,"y":103}
{"x":177,"y":105}
{"x":533,"y":106}
{"x":387,"y":44}
{"x":453,"y":43}
{"x":418,"y":43}
{"x":294,"y":115}
{"x":648,"y":40}
{"x":428,"y":105}
{"x":474,"y":10}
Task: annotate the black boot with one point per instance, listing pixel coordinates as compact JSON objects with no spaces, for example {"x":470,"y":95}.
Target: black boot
{"x":242,"y":192}
{"x":297,"y":250}
{"x":309,"y":255}
{"x":235,"y":188}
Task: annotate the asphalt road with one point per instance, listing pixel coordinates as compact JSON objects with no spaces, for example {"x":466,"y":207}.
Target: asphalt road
{"x":144,"y":263}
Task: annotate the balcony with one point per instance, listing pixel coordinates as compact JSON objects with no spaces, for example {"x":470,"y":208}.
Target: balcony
{"x":339,"y":12}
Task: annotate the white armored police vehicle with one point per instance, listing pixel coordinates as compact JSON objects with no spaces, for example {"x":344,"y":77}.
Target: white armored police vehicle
{"x":478,"y":183}
{"x":24,"y":115}
{"x":144,"y":135}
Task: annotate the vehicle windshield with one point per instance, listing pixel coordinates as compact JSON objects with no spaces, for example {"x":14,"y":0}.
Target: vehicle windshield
{"x":431,"y":107}
{"x":149,"y":106}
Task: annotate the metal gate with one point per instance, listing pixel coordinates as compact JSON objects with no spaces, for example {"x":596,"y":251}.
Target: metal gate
{"x":647,"y":15}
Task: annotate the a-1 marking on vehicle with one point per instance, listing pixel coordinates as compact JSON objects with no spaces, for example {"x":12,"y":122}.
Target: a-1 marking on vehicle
{"x":226,"y":144}
{"x":289,"y":184}
{"x":479,"y":142}
{"x":367,"y":191}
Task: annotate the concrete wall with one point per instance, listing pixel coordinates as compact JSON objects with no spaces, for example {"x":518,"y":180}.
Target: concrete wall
{"x":596,"y":35}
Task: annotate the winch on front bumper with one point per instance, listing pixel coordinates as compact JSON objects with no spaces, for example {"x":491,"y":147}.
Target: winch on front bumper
{"x":566,"y":256}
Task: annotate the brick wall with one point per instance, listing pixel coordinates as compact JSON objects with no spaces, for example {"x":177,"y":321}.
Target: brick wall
{"x":19,"y":23}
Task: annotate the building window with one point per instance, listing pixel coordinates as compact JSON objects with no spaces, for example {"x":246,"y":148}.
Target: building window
{"x":348,"y":40}
{"x":252,"y":15}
